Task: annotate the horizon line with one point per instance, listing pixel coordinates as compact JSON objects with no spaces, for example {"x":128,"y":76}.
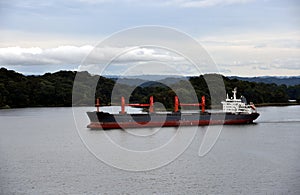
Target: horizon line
{"x":170,"y":75}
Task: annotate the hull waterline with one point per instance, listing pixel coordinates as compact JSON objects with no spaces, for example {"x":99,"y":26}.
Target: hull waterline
{"x":102,"y":120}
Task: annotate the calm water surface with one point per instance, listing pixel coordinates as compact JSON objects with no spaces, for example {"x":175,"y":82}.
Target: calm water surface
{"x":42,"y":153}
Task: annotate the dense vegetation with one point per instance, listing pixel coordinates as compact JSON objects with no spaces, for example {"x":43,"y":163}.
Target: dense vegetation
{"x":17,"y":90}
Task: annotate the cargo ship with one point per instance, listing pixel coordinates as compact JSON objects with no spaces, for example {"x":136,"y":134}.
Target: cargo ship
{"x":235,"y":111}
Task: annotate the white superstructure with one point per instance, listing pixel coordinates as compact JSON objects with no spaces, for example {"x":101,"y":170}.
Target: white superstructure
{"x":234,"y":105}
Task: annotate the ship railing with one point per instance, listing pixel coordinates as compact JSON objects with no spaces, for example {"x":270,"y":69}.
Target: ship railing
{"x":237,"y":108}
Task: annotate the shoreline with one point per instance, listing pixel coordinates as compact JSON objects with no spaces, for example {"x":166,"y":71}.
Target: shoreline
{"x":277,"y":104}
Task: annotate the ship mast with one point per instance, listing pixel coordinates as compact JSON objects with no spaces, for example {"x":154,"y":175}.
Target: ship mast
{"x":234,"y":93}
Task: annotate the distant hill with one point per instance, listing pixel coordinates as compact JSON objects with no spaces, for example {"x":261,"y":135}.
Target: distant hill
{"x":148,"y":80}
{"x":56,"y":89}
{"x":289,"y":81}
{"x":145,"y":77}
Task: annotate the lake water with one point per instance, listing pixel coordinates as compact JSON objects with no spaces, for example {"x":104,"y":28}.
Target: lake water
{"x":41,"y":152}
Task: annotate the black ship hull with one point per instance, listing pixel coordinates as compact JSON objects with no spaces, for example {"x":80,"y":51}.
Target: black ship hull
{"x":104,"y":120}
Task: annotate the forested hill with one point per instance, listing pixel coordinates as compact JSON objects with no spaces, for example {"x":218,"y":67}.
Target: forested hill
{"x":55,"y":89}
{"x":289,"y":81}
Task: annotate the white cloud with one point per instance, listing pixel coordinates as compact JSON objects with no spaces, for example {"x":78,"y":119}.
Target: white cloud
{"x":255,"y":40}
{"x":256,"y":53}
{"x":87,"y":58}
{"x":75,"y":55}
{"x":235,"y":54}
{"x":39,"y":56}
{"x":288,"y":63}
{"x":149,"y":54}
{"x":135,"y":60}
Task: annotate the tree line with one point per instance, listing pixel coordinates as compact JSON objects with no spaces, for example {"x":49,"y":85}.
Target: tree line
{"x":56,"y":89}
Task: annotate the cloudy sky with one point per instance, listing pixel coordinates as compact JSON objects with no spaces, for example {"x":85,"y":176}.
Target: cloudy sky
{"x":243,"y":37}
